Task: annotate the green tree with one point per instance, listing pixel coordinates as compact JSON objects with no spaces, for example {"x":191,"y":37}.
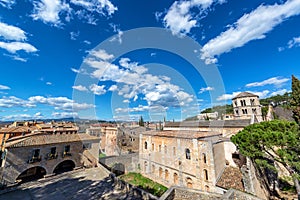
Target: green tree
{"x":141,"y":121}
{"x":277,"y":140}
{"x":295,"y":101}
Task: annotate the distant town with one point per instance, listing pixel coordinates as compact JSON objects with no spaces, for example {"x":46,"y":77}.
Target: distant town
{"x":198,"y":158}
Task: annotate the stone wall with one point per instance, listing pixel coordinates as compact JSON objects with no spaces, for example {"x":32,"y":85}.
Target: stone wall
{"x":130,"y":161}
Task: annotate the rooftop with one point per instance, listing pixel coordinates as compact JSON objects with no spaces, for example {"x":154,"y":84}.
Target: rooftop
{"x":214,"y":123}
{"x":44,"y":139}
{"x":231,"y":178}
{"x":245,"y":94}
{"x":183,"y":134}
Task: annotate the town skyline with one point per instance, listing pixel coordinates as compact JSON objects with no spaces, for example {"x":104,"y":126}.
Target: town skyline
{"x":45,"y":46}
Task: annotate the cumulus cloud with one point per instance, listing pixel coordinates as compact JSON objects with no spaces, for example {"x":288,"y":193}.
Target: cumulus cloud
{"x":97,"y":89}
{"x":59,"y":115}
{"x":9,"y":32}
{"x":252,"y":26}
{"x":13,"y":47}
{"x":277,"y":81}
{"x":7,"y":3}
{"x":80,"y":88}
{"x":104,"y":7}
{"x":113,"y":88}
{"x":295,"y":42}
{"x":279,"y":92}
{"x":134,"y":81}
{"x":4,"y":87}
{"x":179,"y":18}
{"x":12,"y":101}
{"x":49,"y":11}
{"x":205,"y":89}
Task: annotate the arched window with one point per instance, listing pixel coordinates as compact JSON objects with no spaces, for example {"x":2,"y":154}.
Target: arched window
{"x":152,"y":146}
{"x":207,"y":188}
{"x":160,"y":171}
{"x":166,"y":174}
{"x":205,"y":174}
{"x":146,"y":145}
{"x":189,"y":182}
{"x":175,"y":178}
{"x":204,"y":157}
{"x":153,"y":169}
{"x":188,"y":154}
{"x":145,"y":166}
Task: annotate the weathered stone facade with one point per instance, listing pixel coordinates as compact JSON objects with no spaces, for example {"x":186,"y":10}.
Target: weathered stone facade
{"x":36,"y":151}
{"x":187,"y":159}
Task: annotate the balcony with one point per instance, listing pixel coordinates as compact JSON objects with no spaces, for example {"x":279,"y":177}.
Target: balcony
{"x":35,"y":159}
{"x":66,"y":154}
{"x":51,"y":156}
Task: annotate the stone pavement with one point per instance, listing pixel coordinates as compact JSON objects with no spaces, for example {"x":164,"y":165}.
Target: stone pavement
{"x":91,"y":184}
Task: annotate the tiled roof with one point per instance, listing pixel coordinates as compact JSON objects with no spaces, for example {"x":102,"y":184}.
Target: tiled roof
{"x":231,"y":178}
{"x":213,"y":123}
{"x":245,"y":94}
{"x":183,"y":134}
{"x":43,"y":139}
{"x":19,"y":129}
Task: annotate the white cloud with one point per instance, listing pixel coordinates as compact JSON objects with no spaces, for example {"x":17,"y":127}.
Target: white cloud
{"x":179,"y":19}
{"x":277,"y":81}
{"x":74,"y":35}
{"x":59,"y":115}
{"x":205,"y":89}
{"x":252,"y":26}
{"x":80,"y":88}
{"x":13,"y":47}
{"x":7,"y":3}
{"x":279,"y":92}
{"x":4,"y":87}
{"x":295,"y":42}
{"x":101,"y":54}
{"x":48,"y":83}
{"x":9,"y":32}
{"x":104,"y":7}
{"x":97,"y":89}
{"x":49,"y":10}
{"x":16,"y":117}
{"x":12,"y":101}
{"x":113,"y":88}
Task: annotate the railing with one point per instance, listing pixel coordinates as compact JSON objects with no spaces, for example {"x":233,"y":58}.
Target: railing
{"x":35,"y":159}
{"x":51,"y":156}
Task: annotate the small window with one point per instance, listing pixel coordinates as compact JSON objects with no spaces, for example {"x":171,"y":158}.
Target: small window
{"x":53,"y":150}
{"x":146,"y":145}
{"x":152,"y":146}
{"x":166,"y":149}
{"x":205,"y":174}
{"x":87,"y":146}
{"x":36,"y":153}
{"x":166,"y":174}
{"x":67,"y":149}
{"x":188,"y":154}
{"x":174,"y":151}
{"x":159,"y":148}
{"x":204,"y":157}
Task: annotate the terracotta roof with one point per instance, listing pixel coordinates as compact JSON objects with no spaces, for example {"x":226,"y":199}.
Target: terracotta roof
{"x":214,"y":123}
{"x":183,"y":134}
{"x":19,"y":129}
{"x":245,"y":94}
{"x":231,"y":178}
{"x":43,"y":139}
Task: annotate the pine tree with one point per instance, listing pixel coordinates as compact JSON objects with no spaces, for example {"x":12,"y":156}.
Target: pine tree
{"x":141,"y":121}
{"x":295,"y":101}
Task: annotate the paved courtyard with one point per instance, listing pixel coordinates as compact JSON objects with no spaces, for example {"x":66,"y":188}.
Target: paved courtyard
{"x":91,"y":183}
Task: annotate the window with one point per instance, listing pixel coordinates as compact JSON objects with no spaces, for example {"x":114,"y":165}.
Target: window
{"x":145,"y":145}
{"x":235,"y":102}
{"x":153,"y":169}
{"x":159,"y":148}
{"x":252,"y":102}
{"x":237,"y":112}
{"x":66,"y":151}
{"x":205,"y":174}
{"x":145,"y":166}
{"x":204,"y":157}
{"x":174,"y":151}
{"x":152,"y":146}
{"x":189,"y":182}
{"x":160,"y":171}
{"x":53,"y":150}
{"x":87,"y":146}
{"x":254,"y":110}
{"x":187,"y":154}
{"x":175,"y":178}
{"x":67,"y":148}
{"x":36,"y":153}
{"x":166,"y":174}
{"x":166,"y":149}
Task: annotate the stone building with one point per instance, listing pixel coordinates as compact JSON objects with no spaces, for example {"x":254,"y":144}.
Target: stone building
{"x":108,"y":137}
{"x":183,"y":158}
{"x":246,"y":106}
{"x":41,"y":153}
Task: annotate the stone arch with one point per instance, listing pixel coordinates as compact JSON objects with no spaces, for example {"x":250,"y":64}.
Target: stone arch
{"x":175,"y":178}
{"x":64,"y":166}
{"x":118,"y":169}
{"x":189,"y":182}
{"x":32,"y":173}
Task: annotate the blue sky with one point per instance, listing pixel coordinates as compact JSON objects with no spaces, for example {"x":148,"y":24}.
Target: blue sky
{"x":99,"y":59}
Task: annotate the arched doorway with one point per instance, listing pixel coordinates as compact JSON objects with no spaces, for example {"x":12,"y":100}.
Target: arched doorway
{"x":118,"y":169}
{"x":31,"y":174}
{"x":64,"y":166}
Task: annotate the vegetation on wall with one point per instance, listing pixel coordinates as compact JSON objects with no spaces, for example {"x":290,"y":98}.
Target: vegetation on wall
{"x":295,"y":99}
